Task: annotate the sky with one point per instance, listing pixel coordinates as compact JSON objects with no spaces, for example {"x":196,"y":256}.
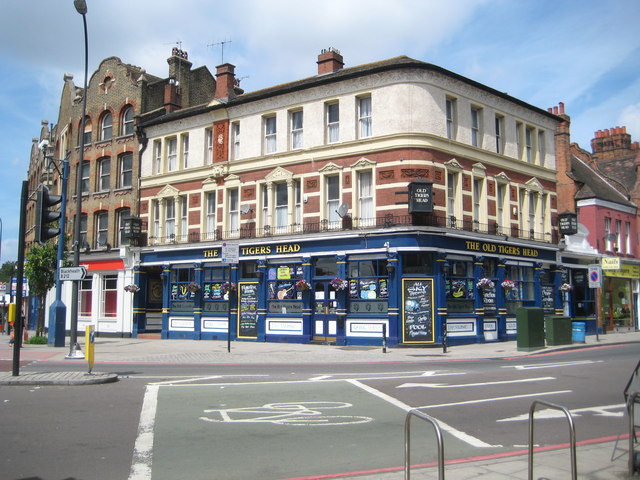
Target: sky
{"x":584,"y":53}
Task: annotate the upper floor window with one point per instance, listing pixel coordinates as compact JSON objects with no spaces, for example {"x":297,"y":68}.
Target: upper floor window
{"x":157,"y":156}
{"x":333,"y":122}
{"x":102,"y":228}
{"x":104,"y":174}
{"x":502,"y":207}
{"x":270,"y":134}
{"x":453,"y":191}
{"x":282,"y":207}
{"x":476,"y":131}
{"x":170,"y":218}
{"x":520,"y":140}
{"x":332,"y":198}
{"x":450,"y":115}
{"x":84,"y":222}
{"x":84,"y":172}
{"x":608,"y":237}
{"x":478,"y":202}
{"x":184,"y":219}
{"x":365,"y":117}
{"x":125,"y":165}
{"x":127,"y":120}
{"x":155,"y":208}
{"x":235,"y":140}
{"x":86,"y":137}
{"x":533,"y":211}
{"x":528,"y":141}
{"x":233,"y":211}
{"x":208,"y":142}
{"x":123,"y":214}
{"x":627,"y":238}
{"x":106,"y":126}
{"x":541,"y":147}
{"x":211,"y":214}
{"x":499,"y":134}
{"x":296,"y":129}
{"x":185,"y":150}
{"x":365,"y":197}
{"x":172,"y":154}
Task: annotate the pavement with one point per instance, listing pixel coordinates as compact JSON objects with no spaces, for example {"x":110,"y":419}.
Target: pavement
{"x":606,"y":459}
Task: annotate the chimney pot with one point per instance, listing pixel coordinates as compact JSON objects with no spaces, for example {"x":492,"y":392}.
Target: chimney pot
{"x":561,"y":108}
{"x":329,"y":61}
{"x":555,"y":110}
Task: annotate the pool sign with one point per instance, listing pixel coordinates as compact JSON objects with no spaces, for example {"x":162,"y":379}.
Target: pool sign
{"x":595,"y":276}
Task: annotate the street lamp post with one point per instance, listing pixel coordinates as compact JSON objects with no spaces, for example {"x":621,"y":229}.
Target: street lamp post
{"x":74,"y":350}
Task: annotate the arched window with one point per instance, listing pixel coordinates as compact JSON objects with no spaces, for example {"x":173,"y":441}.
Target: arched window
{"x":106,"y":126}
{"x":86,"y":136}
{"x":127,"y":120}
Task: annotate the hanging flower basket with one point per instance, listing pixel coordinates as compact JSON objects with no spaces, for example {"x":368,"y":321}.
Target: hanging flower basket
{"x":228,"y":287}
{"x":485,"y":283}
{"x":133,"y":288}
{"x":194,"y":287}
{"x":338,"y":284}
{"x":508,"y":284}
{"x":566,"y":287}
{"x":302,"y":285}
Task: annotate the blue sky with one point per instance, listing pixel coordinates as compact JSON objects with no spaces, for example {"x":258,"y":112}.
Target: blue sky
{"x":583,"y":53}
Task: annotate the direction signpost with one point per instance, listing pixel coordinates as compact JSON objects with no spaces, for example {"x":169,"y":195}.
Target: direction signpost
{"x":72,"y":273}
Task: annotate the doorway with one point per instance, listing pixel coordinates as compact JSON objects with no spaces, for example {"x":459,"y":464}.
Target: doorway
{"x":325,"y":318}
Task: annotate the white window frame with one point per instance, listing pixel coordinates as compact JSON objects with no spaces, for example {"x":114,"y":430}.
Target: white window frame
{"x":233,"y":211}
{"x":499,"y":130}
{"x":235,"y":140}
{"x":184,"y":217}
{"x":451,"y":117}
{"x":123,"y":169}
{"x":169,"y":218}
{"x":296,"y":120}
{"x":172,"y":154}
{"x":104,"y":177}
{"x":208,"y":142}
{"x":476,"y":127}
{"x":333,"y":203}
{"x":332,"y":116}
{"x":211,"y":214}
{"x":101,"y":226}
{"x":157,"y":156}
{"x":270,"y":133}
{"x":281,"y":206}
{"x":122,"y":215}
{"x":127,"y":121}
{"x":184,"y":144}
{"x":366,"y":206}
{"x":365,"y":116}
{"x":106,"y":129}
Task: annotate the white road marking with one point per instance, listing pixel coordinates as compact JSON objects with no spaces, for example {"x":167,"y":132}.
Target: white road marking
{"x":601,"y":411}
{"x":494,"y":399}
{"x":480,"y":384}
{"x":534,"y":366}
{"x":392,"y":375}
{"x":460,"y":435}
{"x":143,"y":449}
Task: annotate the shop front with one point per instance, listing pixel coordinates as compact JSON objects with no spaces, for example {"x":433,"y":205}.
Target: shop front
{"x":406,"y":288}
{"x":619,"y":296}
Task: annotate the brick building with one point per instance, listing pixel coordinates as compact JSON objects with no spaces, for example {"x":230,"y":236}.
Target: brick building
{"x":395,"y":198}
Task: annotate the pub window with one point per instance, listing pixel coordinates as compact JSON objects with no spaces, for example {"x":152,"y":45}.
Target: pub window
{"x":284,"y":294}
{"x":326,"y":267}
{"x":368,"y":286}
{"x":582,"y":297}
{"x":249,"y":270}
{"x":85,"y":297}
{"x":417,"y":263}
{"x":214,"y":293}
{"x":522,"y":294}
{"x":459,"y":286}
{"x":109,"y":296}
{"x":182,"y":296}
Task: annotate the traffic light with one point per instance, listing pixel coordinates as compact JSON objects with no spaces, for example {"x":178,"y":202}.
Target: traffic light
{"x":44,"y":215}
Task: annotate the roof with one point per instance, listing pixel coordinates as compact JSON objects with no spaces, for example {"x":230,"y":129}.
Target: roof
{"x":595,"y":185}
{"x":396,"y":63}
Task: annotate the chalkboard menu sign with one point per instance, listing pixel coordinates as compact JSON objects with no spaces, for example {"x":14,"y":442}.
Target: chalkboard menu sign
{"x":417,"y":310}
{"x":248,"y":310}
{"x":548,"y":302}
{"x":489,"y":301}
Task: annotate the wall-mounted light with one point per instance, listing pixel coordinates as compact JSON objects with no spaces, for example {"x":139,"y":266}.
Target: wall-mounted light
{"x":391,"y":267}
{"x":446,"y":267}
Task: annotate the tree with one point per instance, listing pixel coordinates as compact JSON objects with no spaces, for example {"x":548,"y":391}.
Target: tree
{"x":7,"y":271}
{"x":40,"y":270}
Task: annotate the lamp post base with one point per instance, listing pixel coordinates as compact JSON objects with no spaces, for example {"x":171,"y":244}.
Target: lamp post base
{"x":75,"y":353}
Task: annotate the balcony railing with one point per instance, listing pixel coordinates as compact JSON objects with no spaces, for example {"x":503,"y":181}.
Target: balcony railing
{"x":250,"y":230}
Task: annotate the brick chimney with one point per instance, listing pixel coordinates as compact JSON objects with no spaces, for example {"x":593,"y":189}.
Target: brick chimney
{"x":225,"y":81}
{"x":172,"y":95}
{"x":611,"y":143}
{"x":565,"y":186}
{"x":329,"y":61}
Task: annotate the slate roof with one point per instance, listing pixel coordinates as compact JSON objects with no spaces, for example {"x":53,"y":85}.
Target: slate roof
{"x":595,"y":185}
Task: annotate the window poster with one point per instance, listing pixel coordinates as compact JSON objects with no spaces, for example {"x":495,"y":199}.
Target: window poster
{"x":417,"y":310}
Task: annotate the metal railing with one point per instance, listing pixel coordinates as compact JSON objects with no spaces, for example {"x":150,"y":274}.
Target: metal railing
{"x":252,"y":230}
{"x":407,"y":442}
{"x":634,"y":457}
{"x":572,"y":436}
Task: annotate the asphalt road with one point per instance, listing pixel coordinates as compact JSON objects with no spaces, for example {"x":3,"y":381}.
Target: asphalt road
{"x":285,"y":421}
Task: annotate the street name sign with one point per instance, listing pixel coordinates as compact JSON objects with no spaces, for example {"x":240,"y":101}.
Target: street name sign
{"x":72,"y":273}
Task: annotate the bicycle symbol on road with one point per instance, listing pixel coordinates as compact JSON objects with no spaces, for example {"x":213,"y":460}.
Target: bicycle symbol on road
{"x":287,"y":413}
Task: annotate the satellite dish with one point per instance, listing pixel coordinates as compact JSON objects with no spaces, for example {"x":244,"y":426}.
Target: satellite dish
{"x":244,"y":209}
{"x":342,"y":210}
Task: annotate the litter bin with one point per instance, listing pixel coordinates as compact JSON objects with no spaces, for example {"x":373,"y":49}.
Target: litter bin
{"x":530,"y":322}
{"x":578,"y":332}
{"x":558,"y":330}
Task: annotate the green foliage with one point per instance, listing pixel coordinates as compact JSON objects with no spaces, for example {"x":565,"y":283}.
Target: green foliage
{"x":7,"y":271}
{"x":37,"y":341}
{"x":40,"y":268}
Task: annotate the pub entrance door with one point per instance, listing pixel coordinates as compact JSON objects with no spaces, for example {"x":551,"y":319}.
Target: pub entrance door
{"x":325,"y":318}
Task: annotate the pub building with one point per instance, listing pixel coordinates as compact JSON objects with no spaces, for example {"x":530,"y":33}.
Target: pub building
{"x":394,"y":200}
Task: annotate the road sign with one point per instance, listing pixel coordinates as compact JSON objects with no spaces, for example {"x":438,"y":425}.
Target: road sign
{"x":595,"y":276}
{"x":72,"y":273}
{"x":230,"y":253}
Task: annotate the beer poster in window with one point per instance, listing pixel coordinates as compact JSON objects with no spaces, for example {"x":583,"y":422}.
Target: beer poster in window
{"x":248,"y":310}
{"x":417,"y":310}
{"x":489,"y":301}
